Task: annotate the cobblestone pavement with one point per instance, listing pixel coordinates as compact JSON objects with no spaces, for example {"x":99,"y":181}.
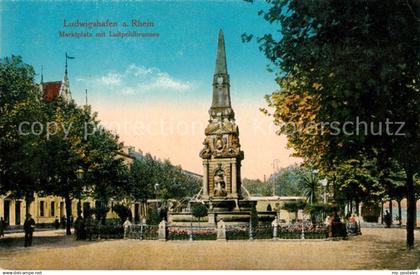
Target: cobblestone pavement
{"x":377,"y":248}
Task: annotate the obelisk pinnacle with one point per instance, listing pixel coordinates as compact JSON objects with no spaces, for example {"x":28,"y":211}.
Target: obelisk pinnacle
{"x":221,"y":67}
{"x":221,"y":94}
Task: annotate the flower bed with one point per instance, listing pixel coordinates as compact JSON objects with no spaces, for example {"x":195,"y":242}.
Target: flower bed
{"x":294,"y":231}
{"x":204,"y":234}
{"x":263,"y":232}
{"x":178,"y":233}
{"x":183,"y":233}
{"x":237,"y":232}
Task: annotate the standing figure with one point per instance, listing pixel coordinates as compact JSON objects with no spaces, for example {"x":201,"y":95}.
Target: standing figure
{"x":63,"y":222}
{"x":126,"y":225}
{"x":2,"y":226}
{"x":56,"y":223}
{"x":29,"y":227}
{"x":388,"y":219}
{"x":79,"y":228}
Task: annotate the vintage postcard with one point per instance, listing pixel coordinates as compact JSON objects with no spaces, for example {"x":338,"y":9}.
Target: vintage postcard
{"x":210,"y":135}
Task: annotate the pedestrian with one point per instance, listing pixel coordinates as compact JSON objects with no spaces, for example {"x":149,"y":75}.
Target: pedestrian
{"x":79,"y":228}
{"x":2,"y":226}
{"x":126,"y":226}
{"x":388,"y":219}
{"x":63,"y":222}
{"x":29,"y":227}
{"x":56,"y":223}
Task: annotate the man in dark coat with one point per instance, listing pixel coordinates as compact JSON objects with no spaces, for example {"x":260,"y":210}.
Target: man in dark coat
{"x":2,"y":227}
{"x":29,"y":227}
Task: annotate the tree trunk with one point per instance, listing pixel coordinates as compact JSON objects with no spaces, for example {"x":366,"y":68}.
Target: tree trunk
{"x":29,"y":198}
{"x":357,"y":207}
{"x":382,"y":212}
{"x":390,"y":207}
{"x":399,"y":212}
{"x":79,"y":208}
{"x":411,"y":208}
{"x":68,"y":214}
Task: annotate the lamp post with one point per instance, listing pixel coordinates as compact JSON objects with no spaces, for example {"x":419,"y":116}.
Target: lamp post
{"x":156,"y":194}
{"x":324,"y":183}
{"x":191,"y":220}
{"x":80,"y":174}
{"x":275,"y":165}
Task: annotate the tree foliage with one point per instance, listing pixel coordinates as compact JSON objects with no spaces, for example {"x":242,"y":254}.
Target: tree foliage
{"x":348,"y":61}
{"x":72,"y":155}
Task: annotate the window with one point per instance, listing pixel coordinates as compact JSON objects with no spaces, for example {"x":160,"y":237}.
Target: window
{"x":52,"y":209}
{"x":17,"y":212}
{"x":42,"y":208}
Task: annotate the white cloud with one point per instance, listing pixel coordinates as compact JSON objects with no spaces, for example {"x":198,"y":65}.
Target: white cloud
{"x":165,"y":82}
{"x":136,"y":79}
{"x":110,"y":79}
{"x":140,"y":70}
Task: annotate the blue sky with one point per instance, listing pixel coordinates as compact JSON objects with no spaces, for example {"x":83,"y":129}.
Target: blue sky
{"x":184,"y":52}
{"x":139,"y":84}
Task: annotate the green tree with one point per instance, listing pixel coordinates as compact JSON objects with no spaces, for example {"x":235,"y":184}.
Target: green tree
{"x":140,"y":183}
{"x":65,"y":153}
{"x":123,"y":212}
{"x":199,"y":211}
{"x":287,"y":180}
{"x":341,"y":61}
{"x":257,"y":187}
{"x":21,"y":152}
{"x":294,"y":207}
{"x":310,"y":186}
{"x":108,"y":173}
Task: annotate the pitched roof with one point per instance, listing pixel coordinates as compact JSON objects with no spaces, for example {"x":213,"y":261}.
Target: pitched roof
{"x":51,"y":90}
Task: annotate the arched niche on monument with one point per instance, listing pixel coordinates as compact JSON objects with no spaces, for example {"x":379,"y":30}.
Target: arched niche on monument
{"x":220,"y":182}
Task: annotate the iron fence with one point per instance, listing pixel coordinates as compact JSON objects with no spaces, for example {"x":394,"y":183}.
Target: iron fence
{"x":142,"y":232}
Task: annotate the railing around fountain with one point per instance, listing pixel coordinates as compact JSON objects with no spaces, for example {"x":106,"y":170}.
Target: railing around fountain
{"x":164,"y":231}
{"x":142,"y":232}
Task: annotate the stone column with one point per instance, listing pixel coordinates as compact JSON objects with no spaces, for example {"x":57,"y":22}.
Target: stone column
{"x":1,"y":206}
{"x":205,"y":178}
{"x":221,"y":231}
{"x":12,"y":209}
{"x":162,"y":231}
{"x":275,"y":225}
{"x":234,"y":179}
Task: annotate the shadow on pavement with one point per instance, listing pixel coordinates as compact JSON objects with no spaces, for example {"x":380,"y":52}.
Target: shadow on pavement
{"x":10,"y":244}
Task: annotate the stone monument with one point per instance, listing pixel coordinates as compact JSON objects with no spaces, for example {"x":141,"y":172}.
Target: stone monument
{"x":221,"y":153}
{"x":222,"y":156}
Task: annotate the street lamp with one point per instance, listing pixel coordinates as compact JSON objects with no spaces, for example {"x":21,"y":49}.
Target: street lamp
{"x":324,"y":183}
{"x":156,"y":195}
{"x":80,"y":174}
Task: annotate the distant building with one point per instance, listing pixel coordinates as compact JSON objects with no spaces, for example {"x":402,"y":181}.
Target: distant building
{"x":269,"y":204}
{"x":53,"y":89}
{"x":45,"y":209}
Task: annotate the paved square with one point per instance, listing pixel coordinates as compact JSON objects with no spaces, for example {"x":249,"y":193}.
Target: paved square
{"x":375,"y":249}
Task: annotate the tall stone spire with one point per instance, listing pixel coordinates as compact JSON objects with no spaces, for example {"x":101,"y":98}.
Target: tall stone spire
{"x":221,"y":104}
{"x":65,"y":92}
{"x":221,"y":154}
{"x":221,"y":67}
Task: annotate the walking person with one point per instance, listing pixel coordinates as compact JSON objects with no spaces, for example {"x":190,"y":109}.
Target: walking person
{"x":56,"y":223}
{"x":2,"y":226}
{"x":29,"y":227}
